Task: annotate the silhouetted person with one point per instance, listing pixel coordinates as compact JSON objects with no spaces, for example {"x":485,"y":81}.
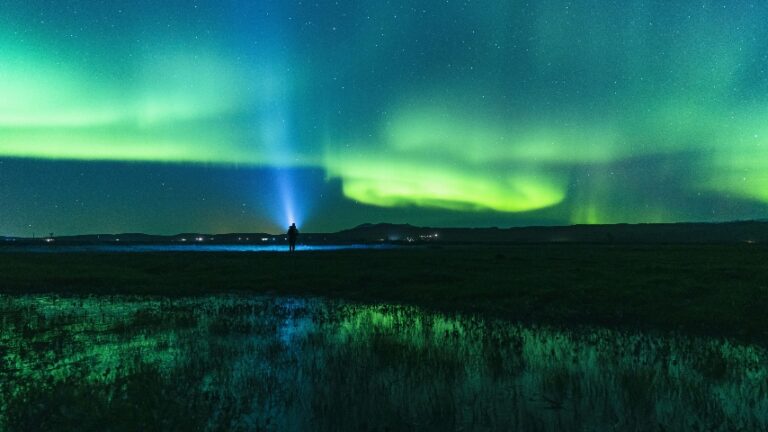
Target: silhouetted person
{"x":293,"y":233}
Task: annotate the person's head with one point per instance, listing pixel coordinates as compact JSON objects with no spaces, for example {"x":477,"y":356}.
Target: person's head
{"x":293,"y":224}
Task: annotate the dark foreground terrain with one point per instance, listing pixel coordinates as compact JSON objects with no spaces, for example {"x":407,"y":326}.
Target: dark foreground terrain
{"x":697,"y":289}
{"x":253,"y":363}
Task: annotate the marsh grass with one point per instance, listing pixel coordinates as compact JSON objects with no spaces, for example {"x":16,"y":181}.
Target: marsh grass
{"x":275,"y":363}
{"x":719,"y":290}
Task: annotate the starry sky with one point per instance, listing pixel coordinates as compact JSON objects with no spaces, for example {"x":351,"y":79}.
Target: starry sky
{"x":232,"y":115}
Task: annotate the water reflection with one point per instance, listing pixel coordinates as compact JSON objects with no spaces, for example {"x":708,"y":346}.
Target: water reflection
{"x":135,"y":248}
{"x":291,"y":364}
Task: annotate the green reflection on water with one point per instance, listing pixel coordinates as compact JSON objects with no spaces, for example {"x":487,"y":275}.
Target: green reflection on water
{"x":289,"y":364}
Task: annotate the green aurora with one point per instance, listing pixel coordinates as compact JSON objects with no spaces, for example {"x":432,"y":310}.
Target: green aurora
{"x":585,"y":112}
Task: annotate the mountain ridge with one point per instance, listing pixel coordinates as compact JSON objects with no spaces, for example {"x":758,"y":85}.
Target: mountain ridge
{"x":753,"y":231}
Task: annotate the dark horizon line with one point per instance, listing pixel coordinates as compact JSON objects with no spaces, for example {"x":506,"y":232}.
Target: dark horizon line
{"x":369,"y":225}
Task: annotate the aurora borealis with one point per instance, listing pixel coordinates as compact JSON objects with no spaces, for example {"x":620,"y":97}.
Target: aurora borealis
{"x":199,"y":115}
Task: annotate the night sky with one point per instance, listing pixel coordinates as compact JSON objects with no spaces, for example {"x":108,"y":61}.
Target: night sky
{"x":232,"y":115}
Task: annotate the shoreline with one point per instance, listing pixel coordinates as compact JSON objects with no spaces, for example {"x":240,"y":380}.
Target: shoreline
{"x":705,"y":290}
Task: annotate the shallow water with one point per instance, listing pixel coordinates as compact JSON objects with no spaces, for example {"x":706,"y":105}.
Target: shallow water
{"x":118,"y":248}
{"x":235,"y":363}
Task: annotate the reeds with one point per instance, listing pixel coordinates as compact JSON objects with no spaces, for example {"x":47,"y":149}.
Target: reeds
{"x":266,"y":363}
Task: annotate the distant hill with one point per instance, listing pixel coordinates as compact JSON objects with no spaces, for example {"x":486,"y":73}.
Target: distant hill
{"x":679,"y":233}
{"x":698,"y":233}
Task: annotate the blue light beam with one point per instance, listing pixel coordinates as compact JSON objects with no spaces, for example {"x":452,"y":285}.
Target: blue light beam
{"x":275,"y":133}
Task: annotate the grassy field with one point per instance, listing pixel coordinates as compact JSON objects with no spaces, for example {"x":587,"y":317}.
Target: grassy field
{"x":718,"y":290}
{"x":245,"y":363}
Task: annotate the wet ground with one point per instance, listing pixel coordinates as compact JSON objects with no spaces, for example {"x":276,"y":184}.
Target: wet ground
{"x":277,"y":363}
{"x":192,"y":247}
